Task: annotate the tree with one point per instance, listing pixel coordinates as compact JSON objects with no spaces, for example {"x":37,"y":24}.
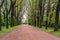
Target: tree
{"x":12,"y":12}
{"x":47,"y":15}
{"x":57,"y":16}
{"x":0,"y":14}
{"x":6,"y":8}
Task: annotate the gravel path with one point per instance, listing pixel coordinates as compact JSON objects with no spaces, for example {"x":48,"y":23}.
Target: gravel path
{"x":27,"y":32}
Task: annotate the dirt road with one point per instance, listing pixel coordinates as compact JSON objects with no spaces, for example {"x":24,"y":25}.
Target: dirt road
{"x":27,"y":32}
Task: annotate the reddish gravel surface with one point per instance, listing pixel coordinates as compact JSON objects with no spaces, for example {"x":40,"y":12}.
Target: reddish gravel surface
{"x":27,"y":32}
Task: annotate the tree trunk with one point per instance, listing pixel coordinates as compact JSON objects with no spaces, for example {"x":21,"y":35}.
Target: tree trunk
{"x":6,"y":15}
{"x":0,"y":14}
{"x":0,"y":19}
{"x":12,"y":12}
{"x":48,"y":10}
{"x":40,"y":17}
{"x":57,"y":16}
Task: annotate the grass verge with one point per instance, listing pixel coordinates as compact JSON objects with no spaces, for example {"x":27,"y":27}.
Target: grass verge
{"x":6,"y":31}
{"x":51,"y":31}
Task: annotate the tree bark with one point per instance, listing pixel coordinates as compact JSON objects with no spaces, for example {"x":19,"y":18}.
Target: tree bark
{"x":0,"y":14}
{"x":57,"y":16}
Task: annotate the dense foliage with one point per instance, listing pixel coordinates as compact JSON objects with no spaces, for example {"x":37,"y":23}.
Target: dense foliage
{"x":10,"y":13}
{"x":44,"y":13}
{"x":40,"y":13}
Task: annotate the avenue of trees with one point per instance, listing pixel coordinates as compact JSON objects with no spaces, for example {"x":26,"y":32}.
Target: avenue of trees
{"x":10,"y":13}
{"x":40,"y":13}
{"x":44,"y":13}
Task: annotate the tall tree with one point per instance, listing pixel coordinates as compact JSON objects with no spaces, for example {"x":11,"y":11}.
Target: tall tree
{"x":57,"y":16}
{"x":41,"y":14}
{"x":12,"y":12}
{"x":6,"y":15}
{"x":47,"y":15}
{"x":0,"y":14}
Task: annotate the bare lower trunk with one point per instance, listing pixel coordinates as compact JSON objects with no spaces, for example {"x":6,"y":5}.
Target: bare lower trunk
{"x":0,"y":19}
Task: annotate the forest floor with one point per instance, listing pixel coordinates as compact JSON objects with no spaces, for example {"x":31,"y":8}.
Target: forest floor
{"x":27,"y":32}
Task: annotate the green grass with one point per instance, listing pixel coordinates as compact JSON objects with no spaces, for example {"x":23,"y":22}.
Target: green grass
{"x":51,"y":31}
{"x":6,"y":31}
